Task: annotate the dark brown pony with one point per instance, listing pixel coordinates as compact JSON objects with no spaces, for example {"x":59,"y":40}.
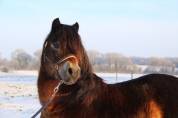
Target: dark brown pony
{"x":86,"y":95}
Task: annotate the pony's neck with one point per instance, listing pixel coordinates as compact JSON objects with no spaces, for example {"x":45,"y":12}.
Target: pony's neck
{"x":46,"y":85}
{"x":90,"y":84}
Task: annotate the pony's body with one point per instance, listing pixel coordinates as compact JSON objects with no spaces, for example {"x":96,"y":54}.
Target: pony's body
{"x":150,"y":96}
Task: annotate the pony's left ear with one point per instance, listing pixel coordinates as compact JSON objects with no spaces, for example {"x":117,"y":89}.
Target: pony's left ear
{"x":76,"y":26}
{"x":55,"y":24}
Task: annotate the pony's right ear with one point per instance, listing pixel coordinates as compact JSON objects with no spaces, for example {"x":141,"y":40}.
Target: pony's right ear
{"x":56,"y":24}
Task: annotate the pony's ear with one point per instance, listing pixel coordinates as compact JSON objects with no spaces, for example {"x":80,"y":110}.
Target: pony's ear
{"x":55,"y":24}
{"x":76,"y":26}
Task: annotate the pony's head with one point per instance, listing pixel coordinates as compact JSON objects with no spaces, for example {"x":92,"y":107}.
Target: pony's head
{"x":64,"y":57}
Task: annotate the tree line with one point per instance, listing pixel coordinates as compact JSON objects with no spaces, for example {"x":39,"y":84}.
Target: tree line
{"x":101,"y":62}
{"x":115,"y":62}
{"x":21,"y":60}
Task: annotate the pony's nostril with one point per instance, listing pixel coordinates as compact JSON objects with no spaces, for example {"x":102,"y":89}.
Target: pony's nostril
{"x":70,"y":71}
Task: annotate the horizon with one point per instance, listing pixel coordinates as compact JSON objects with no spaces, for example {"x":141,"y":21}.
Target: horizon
{"x":132,"y":28}
{"x":95,"y":51}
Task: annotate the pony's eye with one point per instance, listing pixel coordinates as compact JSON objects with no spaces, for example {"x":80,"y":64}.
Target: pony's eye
{"x":55,"y":45}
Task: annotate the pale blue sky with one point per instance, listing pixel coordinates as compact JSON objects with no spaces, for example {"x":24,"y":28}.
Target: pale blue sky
{"x":131,"y":27}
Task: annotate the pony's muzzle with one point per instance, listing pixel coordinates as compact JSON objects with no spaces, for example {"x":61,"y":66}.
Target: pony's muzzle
{"x":69,"y":72}
{"x":73,"y":70}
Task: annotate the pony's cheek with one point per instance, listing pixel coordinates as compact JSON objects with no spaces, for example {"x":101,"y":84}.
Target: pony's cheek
{"x":50,"y":69}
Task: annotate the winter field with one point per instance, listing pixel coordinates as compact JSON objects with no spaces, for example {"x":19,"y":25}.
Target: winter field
{"x":18,"y":92}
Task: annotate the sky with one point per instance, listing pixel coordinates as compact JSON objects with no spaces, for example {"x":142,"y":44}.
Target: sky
{"x":143,"y":28}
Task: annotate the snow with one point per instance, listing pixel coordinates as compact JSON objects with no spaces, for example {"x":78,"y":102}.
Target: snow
{"x":120,"y":77}
{"x":18,"y":95}
{"x":20,"y":73}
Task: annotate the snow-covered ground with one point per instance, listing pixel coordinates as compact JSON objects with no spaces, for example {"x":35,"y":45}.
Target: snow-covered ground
{"x":20,"y":73}
{"x":18,"y":96}
{"x":18,"y":92}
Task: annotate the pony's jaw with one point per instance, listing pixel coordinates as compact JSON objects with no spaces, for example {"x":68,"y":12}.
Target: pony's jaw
{"x":69,"y":73}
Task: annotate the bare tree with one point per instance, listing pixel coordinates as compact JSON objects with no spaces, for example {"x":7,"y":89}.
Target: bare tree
{"x":118,"y":62}
{"x":4,"y":64}
{"x":20,"y":59}
{"x":160,"y":65}
{"x":0,"y":59}
{"x":154,"y":61}
{"x":36,"y":59}
{"x":94,"y":56}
